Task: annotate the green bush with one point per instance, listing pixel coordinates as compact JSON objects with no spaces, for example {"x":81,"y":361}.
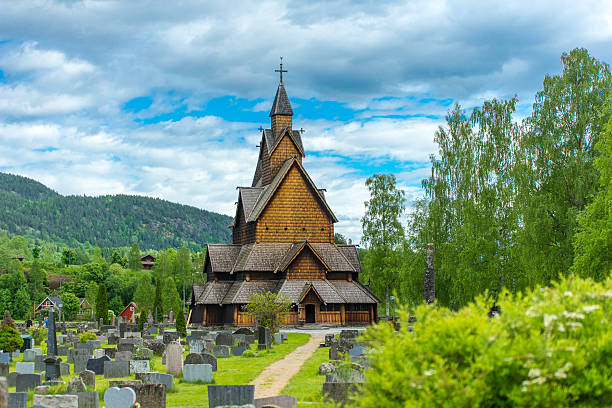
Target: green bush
{"x":549,"y":347}
{"x":10,"y":339}
{"x":87,"y":336}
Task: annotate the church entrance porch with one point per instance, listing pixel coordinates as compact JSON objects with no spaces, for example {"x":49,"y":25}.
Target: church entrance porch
{"x":310,"y":314}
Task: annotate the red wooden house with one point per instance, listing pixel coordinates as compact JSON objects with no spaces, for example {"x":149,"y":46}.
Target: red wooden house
{"x":129,"y":313}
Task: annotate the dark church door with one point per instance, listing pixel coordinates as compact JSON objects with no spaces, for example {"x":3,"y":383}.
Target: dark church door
{"x":310,"y":313}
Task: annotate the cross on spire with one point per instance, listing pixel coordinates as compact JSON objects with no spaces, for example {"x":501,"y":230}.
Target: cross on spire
{"x":281,"y":70}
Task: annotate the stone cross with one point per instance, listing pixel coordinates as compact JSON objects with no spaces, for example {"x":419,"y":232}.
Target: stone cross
{"x":430,"y":281}
{"x":51,"y":340}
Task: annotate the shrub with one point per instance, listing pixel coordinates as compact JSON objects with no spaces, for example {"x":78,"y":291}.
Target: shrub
{"x":180,"y":322}
{"x":549,"y":347}
{"x":249,"y":353}
{"x":87,"y":336}
{"x":142,"y":319}
{"x":10,"y":339}
{"x":267,"y":308}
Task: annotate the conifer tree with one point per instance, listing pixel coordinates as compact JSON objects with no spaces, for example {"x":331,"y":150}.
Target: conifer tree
{"x":158,"y":302}
{"x":102,"y":304}
{"x":37,"y":279}
{"x":180,"y":321}
{"x":142,"y":319}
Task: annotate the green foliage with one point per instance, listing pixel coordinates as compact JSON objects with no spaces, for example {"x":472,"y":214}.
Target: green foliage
{"x":339,"y":238}
{"x":37,"y":280}
{"x":10,"y":339}
{"x":29,"y":208}
{"x":180,"y":321}
{"x":142,"y":320}
{"x":183,"y":268}
{"x":116,"y":305}
{"x":383,"y":231}
{"x":158,"y":305}
{"x":267,"y":309}
{"x":84,"y":337}
{"x":71,"y":304}
{"x":39,"y":334}
{"x":170,"y":296}
{"x":142,"y":295}
{"x":116,"y":258}
{"x":134,"y":262}
{"x":593,"y":240}
{"x":549,"y":347}
{"x":102,"y":305}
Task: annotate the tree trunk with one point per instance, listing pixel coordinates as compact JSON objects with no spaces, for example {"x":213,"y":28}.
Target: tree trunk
{"x":387,"y":300}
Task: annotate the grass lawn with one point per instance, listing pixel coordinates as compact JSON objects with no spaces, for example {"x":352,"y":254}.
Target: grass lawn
{"x":306,"y":385}
{"x":231,"y":370}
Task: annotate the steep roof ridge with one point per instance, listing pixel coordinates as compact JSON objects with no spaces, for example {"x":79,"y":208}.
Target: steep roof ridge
{"x":281,"y":105}
{"x":287,"y":130}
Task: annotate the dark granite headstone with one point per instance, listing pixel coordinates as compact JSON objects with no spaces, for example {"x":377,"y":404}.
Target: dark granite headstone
{"x":210,"y":359}
{"x":193,"y":358}
{"x":52,"y":368}
{"x":17,"y":400}
{"x":224,"y":339}
{"x":97,"y":364}
{"x":28,"y":342}
{"x":51,"y":339}
{"x":125,"y":347}
{"x":25,"y":382}
{"x":238,"y":350}
{"x":220,"y":395}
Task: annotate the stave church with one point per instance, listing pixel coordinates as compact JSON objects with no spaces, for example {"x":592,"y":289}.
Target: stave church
{"x":283,"y":242}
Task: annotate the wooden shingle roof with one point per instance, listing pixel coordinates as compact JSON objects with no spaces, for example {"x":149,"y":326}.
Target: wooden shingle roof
{"x":211,"y":293}
{"x":354,"y":292}
{"x":222,"y":256}
{"x":281,"y":105}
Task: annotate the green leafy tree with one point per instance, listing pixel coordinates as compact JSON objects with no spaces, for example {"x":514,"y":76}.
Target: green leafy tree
{"x":268,"y":308}
{"x":36,"y":252}
{"x":37,"y":281}
{"x":134,"y":262}
{"x":71,"y":305}
{"x":158,"y":303}
{"x":593,"y":241}
{"x":557,"y":177}
{"x":383,"y":232}
{"x":10,"y":338}
{"x":69,"y":256}
{"x":170,"y":297}
{"x":183,"y":268}
{"x":116,"y":305}
{"x":22,"y":303}
{"x":102,"y":304}
{"x":339,"y":238}
{"x":97,"y":255}
{"x":142,"y":319}
{"x":116,"y":258}
{"x":142,"y":294}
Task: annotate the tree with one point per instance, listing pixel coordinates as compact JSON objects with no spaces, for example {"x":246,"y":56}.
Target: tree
{"x":36,"y":252}
{"x":142,"y":294}
{"x":134,"y":261}
{"x":68,"y":256}
{"x":116,"y":258}
{"x":383,"y":231}
{"x":37,"y":280}
{"x":71,"y":304}
{"x":142,"y":320}
{"x":10,"y":338}
{"x":170,"y":297}
{"x":593,"y":240}
{"x":267,"y":308}
{"x":183,"y":268}
{"x":339,"y":238}
{"x":91,"y":293}
{"x":116,"y":305}
{"x":158,"y":306}
{"x":97,"y":256}
{"x":180,"y":321}
{"x":102,"y":304}
{"x":557,"y":177}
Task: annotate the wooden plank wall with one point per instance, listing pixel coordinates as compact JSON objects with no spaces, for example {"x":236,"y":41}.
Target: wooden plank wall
{"x":305,"y":266}
{"x":286,"y":149}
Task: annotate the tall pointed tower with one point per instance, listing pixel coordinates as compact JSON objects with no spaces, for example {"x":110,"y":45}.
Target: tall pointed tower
{"x":283,"y":242}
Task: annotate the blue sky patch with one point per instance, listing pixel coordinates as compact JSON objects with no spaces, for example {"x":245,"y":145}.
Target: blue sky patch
{"x":136,"y":105}
{"x":46,"y":149}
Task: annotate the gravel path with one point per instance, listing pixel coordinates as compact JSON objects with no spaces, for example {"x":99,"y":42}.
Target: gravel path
{"x":274,"y":378}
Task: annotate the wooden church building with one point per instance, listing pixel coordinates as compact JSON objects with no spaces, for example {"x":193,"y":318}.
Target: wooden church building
{"x":283,"y":242}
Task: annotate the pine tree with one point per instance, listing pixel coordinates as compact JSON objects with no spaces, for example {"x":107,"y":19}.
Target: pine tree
{"x":180,"y":321}
{"x":102,"y":304}
{"x":142,"y":319}
{"x":158,"y":305}
{"x":170,"y":297}
{"x":134,"y":261}
{"x":183,"y":268}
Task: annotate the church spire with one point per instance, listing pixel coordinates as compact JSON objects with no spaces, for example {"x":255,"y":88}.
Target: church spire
{"x":281,"y":111}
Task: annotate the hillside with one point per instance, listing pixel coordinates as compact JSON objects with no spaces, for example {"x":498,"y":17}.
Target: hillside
{"x":29,"y":208}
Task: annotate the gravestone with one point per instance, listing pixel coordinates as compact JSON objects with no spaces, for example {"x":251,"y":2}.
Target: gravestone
{"x":113,"y":339}
{"x":64,"y":369}
{"x":5,"y":358}
{"x":170,"y":337}
{"x":72,"y":353}
{"x":25,"y":382}
{"x":156,"y":378}
{"x":56,"y":401}
{"x":245,"y":331}
{"x":220,"y":351}
{"x":356,"y":351}
{"x":224,"y":339}
{"x":147,"y":395}
{"x":193,"y":358}
{"x":116,"y":369}
{"x":110,"y":351}
{"x":3,"y":393}
{"x":123,"y":356}
{"x":338,"y":391}
{"x":52,"y":368}
{"x":28,"y":342}
{"x":197,"y":346}
{"x":15,"y":354}
{"x":263,"y":338}
{"x":142,"y":353}
{"x":349,"y":334}
{"x":62,"y":350}
{"x":39,"y":363}
{"x":174,"y":359}
{"x":278,"y":338}
{"x":280,"y":401}
{"x":119,"y":397}
{"x":11,"y":378}
{"x":238,"y":350}
{"x":339,"y":347}
{"x":76,"y":385}
{"x":89,"y":378}
{"x":17,"y":400}
{"x":23,"y":368}
{"x":89,"y":399}
{"x":328,"y":339}
{"x":125,"y":347}
{"x":140,"y":366}
{"x":219,"y":395}
{"x":30,"y":355}
{"x":197,"y":372}
{"x":210,"y":359}
{"x":97,"y":364}
{"x":98,"y":353}
{"x":80,"y":363}
{"x":430,"y":281}
{"x":51,"y":340}
{"x":157,"y":346}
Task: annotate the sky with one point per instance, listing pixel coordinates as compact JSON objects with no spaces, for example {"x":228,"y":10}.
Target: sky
{"x":164,"y":99}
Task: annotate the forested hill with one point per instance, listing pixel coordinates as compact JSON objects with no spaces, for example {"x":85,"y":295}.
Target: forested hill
{"x":31,"y":209}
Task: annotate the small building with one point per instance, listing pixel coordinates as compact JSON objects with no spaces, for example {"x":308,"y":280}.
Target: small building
{"x":85,"y":307}
{"x":148,"y":261}
{"x":129,"y":313}
{"x":18,"y":257}
{"x":50,"y":302}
